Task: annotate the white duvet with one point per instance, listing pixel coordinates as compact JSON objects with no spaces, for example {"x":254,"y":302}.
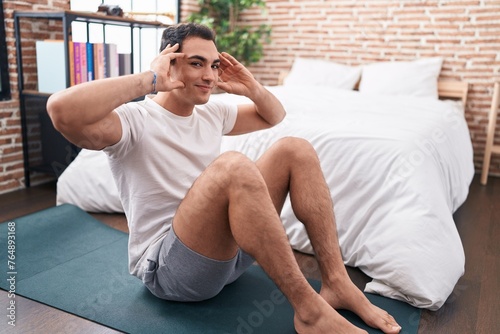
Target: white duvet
{"x":397,"y":168}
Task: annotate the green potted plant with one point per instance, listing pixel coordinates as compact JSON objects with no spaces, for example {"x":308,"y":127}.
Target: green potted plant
{"x":241,"y":41}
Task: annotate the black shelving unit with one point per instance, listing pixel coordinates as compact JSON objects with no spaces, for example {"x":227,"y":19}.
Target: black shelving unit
{"x":52,"y":152}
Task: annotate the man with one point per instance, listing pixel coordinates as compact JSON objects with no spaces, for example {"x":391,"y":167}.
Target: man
{"x":198,"y":219}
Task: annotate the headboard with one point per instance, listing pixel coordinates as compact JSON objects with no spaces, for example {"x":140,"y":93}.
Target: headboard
{"x":453,"y":89}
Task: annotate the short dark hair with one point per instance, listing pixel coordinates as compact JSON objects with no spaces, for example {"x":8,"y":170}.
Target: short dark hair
{"x":179,"y":32}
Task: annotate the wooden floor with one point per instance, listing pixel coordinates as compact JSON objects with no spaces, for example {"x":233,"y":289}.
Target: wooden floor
{"x":473,"y":307}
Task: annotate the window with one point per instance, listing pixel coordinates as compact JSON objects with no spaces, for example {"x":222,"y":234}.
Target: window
{"x":4,"y":65}
{"x":149,"y":39}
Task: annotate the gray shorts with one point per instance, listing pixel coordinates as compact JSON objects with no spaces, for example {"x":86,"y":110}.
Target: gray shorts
{"x":178,"y":273}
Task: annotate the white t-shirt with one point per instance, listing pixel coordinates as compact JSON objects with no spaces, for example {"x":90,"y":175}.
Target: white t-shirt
{"x":157,"y":160}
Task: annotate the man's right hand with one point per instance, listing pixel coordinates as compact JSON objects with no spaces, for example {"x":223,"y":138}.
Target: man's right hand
{"x":161,"y":67}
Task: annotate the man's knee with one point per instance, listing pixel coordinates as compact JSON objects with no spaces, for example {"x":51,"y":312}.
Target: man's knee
{"x":232,"y":161}
{"x":237,"y":167}
{"x":295,"y":149}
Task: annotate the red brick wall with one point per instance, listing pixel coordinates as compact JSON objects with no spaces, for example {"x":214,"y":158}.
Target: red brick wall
{"x":353,"y":32}
{"x":11,"y":154}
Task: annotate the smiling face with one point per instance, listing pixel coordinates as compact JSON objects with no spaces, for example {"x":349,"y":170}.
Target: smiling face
{"x":198,"y":70}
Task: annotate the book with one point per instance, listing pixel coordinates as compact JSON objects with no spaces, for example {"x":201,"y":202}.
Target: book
{"x":99,"y":70}
{"x":125,"y":63}
{"x":112,"y":61}
{"x":77,"y":58}
{"x":90,"y":61}
{"x":83,"y":61}
{"x":51,"y":66}
{"x":71,"y":55}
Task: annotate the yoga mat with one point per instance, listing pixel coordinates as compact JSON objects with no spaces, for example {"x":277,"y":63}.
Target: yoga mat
{"x":65,"y":258}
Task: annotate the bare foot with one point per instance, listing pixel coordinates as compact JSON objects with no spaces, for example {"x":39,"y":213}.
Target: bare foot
{"x":348,"y":297}
{"x":322,"y":318}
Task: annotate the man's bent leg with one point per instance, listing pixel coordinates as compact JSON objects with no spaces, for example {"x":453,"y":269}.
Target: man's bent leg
{"x":228,"y":207}
{"x":292,"y":165}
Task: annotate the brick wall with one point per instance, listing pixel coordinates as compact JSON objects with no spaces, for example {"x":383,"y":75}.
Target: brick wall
{"x":11,"y":154}
{"x":353,"y":32}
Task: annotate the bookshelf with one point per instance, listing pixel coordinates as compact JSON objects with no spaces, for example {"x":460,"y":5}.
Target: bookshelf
{"x":44,"y":149}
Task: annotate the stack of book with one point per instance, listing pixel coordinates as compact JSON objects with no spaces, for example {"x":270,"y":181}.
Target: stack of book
{"x":87,"y":62}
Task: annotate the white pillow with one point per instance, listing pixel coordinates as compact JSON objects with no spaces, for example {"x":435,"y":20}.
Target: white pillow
{"x":415,"y":78}
{"x":317,"y":72}
{"x":88,"y":183}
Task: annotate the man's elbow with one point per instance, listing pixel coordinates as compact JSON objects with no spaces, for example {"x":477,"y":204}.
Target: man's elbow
{"x":278,"y":119}
{"x":56,"y":111}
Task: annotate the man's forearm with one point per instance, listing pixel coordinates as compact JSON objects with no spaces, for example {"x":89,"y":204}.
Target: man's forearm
{"x":268,"y":106}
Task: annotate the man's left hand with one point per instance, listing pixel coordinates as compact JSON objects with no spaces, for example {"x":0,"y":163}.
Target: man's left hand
{"x":235,"y":78}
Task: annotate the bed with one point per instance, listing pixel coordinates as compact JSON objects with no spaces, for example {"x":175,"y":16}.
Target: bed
{"x":398,"y":163}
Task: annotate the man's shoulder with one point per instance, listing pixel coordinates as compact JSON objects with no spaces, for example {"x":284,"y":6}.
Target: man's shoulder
{"x":134,"y":106}
{"x":221,"y":113}
{"x":134,"y":111}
